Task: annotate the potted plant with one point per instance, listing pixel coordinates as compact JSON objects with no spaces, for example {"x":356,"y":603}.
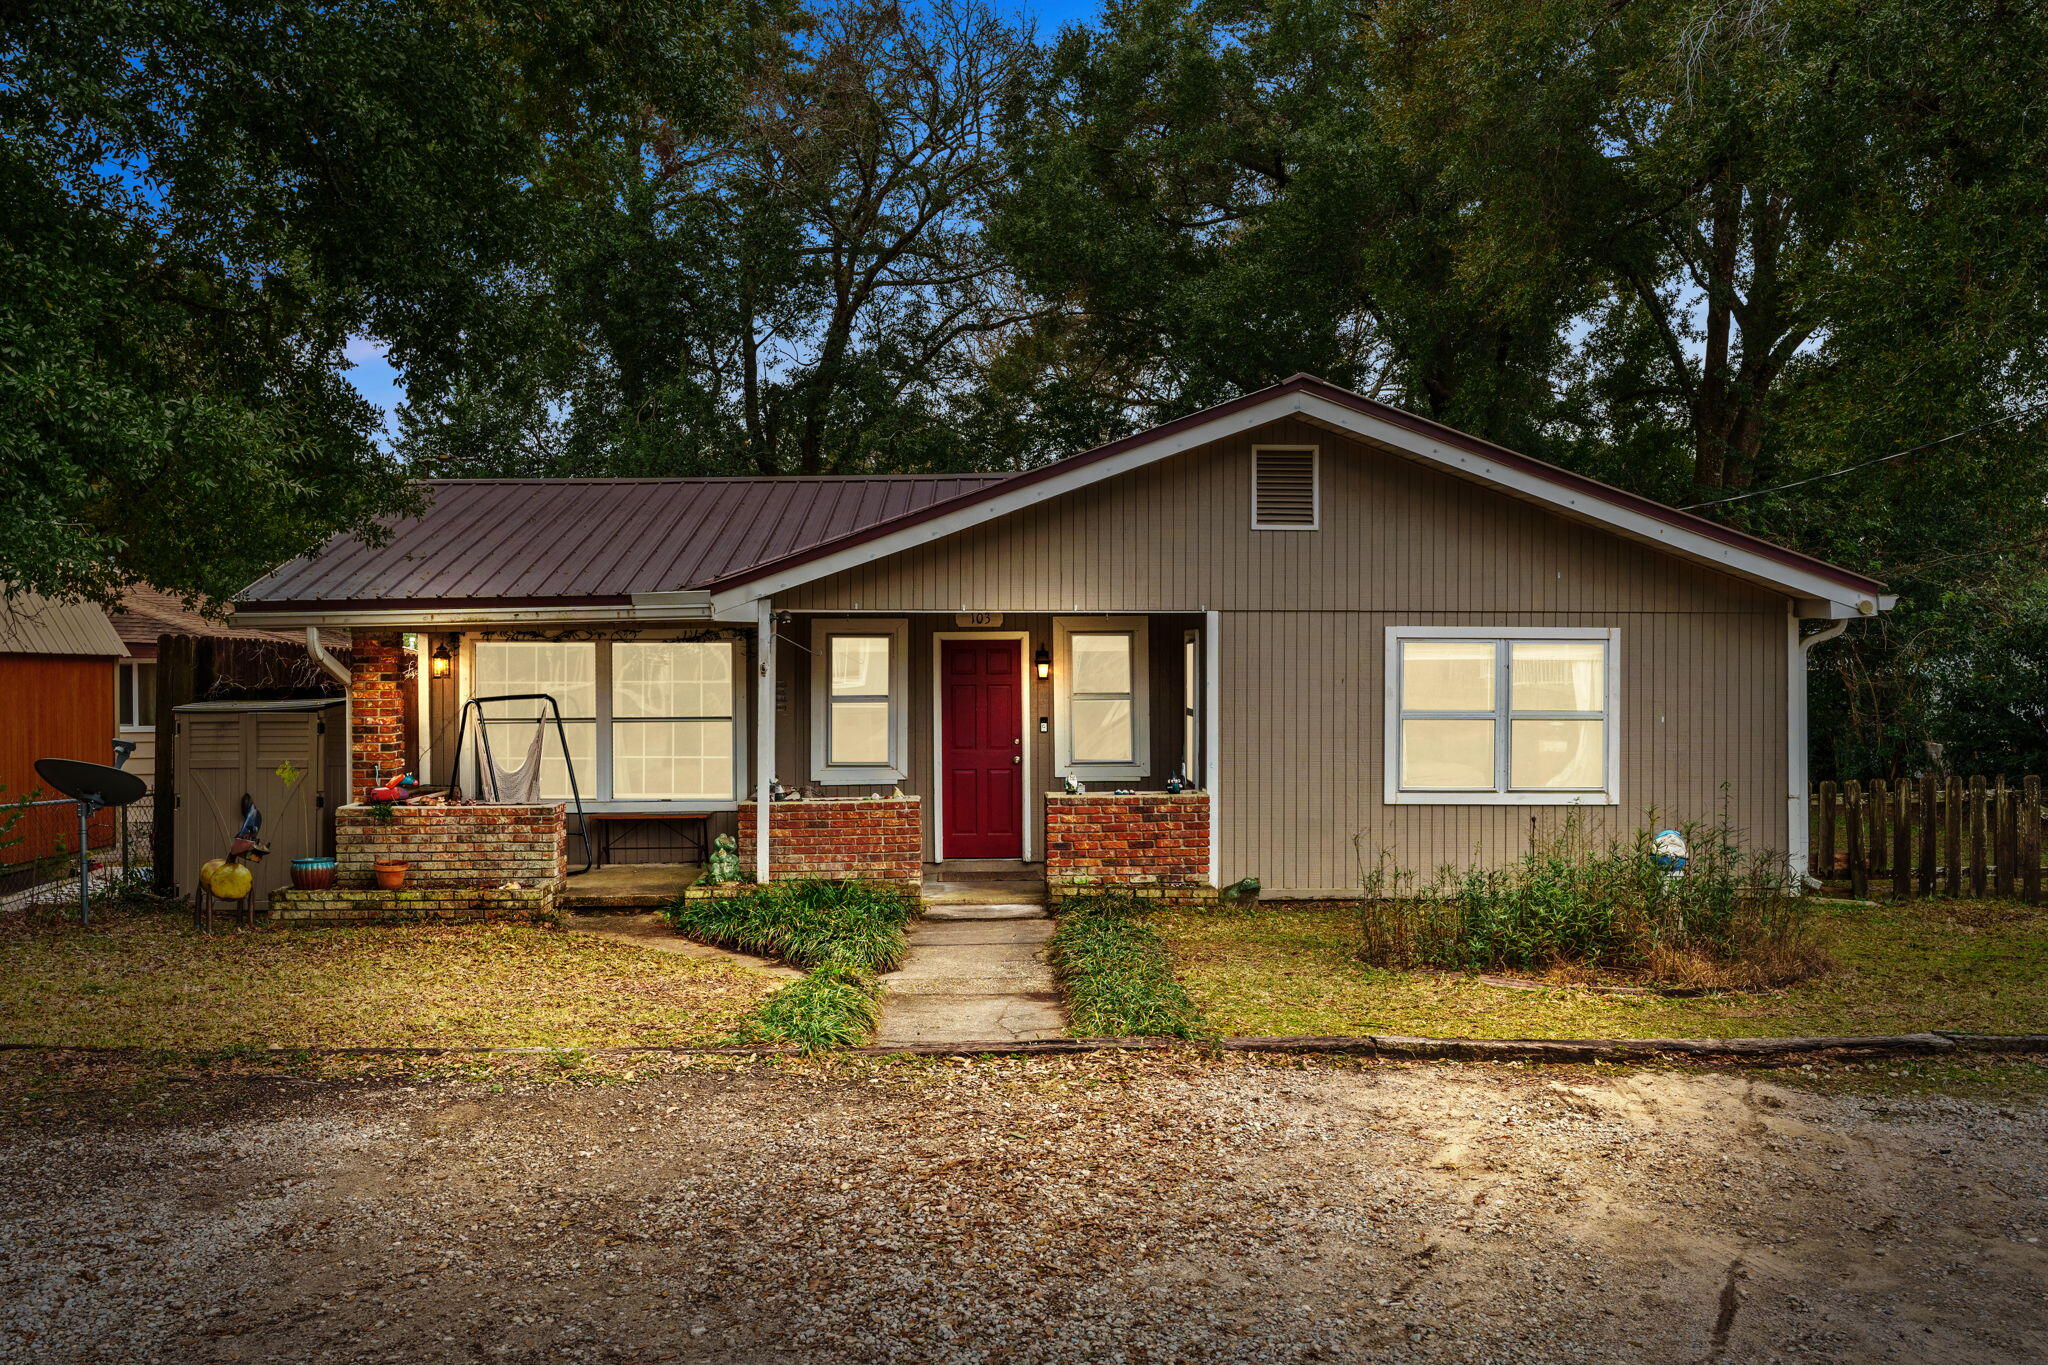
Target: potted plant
{"x":312,"y":874}
{"x":390,"y":873}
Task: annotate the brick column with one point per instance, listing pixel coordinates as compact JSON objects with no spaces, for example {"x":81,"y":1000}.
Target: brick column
{"x":376,"y":710}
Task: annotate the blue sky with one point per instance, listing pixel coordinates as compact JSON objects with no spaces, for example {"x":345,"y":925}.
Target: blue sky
{"x":377,"y":381}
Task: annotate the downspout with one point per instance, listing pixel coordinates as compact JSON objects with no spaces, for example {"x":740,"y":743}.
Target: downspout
{"x":1800,"y":847}
{"x":334,"y":670}
{"x":764,"y":734}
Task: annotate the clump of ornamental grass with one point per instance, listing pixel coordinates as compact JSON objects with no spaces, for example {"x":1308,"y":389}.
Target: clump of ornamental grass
{"x":1117,"y":971}
{"x":844,"y":933}
{"x":1574,"y":908}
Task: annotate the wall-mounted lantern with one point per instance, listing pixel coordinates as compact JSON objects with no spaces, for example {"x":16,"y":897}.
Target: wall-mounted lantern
{"x":443,"y":662}
{"x":1042,"y":661}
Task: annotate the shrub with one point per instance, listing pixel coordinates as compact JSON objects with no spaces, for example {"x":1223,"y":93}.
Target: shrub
{"x":1572,"y":904}
{"x":842,"y":932}
{"x":808,"y":922}
{"x":829,"y":1007}
{"x":1117,"y":972}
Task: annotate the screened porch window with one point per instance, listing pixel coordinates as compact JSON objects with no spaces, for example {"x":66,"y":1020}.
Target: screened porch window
{"x":1514,"y":718}
{"x":646,"y":720}
{"x":672,"y":720}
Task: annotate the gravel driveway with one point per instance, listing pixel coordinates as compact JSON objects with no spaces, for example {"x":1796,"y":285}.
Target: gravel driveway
{"x":1080,"y":1209}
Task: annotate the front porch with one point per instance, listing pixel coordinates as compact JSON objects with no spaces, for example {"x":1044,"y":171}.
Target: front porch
{"x":840,"y":745}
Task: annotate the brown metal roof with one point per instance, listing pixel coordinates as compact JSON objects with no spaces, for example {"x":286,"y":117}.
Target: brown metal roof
{"x":33,"y":624}
{"x":594,"y":540}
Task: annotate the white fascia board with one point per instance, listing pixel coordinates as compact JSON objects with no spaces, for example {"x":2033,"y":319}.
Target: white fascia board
{"x":1588,"y":507}
{"x":735,"y":603}
{"x":400,"y":618}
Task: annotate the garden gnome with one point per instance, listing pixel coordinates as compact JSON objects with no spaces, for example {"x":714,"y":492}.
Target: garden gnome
{"x":724,"y":867}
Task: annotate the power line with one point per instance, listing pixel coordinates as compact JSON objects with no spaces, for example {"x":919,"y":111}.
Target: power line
{"x":1865,"y":464}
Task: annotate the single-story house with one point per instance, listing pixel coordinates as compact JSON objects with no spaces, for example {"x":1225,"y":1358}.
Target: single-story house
{"x":1344,"y":627}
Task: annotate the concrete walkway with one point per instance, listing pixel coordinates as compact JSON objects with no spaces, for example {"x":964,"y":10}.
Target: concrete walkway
{"x":976,"y":969}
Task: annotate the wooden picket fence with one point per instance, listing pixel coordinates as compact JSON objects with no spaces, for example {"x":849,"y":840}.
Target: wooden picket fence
{"x":1930,"y":836}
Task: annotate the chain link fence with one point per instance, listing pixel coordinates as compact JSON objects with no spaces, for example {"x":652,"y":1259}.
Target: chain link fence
{"x":39,"y":850}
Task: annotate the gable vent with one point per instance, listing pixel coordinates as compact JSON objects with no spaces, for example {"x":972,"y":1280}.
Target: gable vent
{"x":1284,"y":488}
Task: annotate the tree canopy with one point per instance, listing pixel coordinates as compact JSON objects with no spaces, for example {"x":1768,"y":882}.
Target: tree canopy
{"x":1783,"y":261}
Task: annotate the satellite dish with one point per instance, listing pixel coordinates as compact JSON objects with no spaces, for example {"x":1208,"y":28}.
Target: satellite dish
{"x":91,"y":785}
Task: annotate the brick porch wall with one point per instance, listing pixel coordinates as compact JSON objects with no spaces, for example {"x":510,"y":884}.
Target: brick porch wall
{"x":458,"y":859}
{"x":376,"y":710}
{"x":455,"y":846}
{"x":876,"y":840}
{"x":1153,"y":843}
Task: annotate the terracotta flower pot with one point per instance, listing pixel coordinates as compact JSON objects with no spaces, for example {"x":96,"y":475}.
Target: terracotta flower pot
{"x":390,"y":875}
{"x":312,"y":874}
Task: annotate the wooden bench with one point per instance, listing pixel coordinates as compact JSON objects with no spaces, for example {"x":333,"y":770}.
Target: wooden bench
{"x":699,"y":832}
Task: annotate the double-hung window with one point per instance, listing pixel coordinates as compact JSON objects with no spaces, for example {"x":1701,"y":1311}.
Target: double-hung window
{"x":859,"y":717}
{"x":645,"y":720}
{"x":1099,"y":702}
{"x":1480,"y":716}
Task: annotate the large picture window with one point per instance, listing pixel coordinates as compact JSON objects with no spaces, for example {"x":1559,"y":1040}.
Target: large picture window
{"x":646,"y":720}
{"x":1099,"y":697}
{"x":859,"y":710}
{"x":1511,"y":716}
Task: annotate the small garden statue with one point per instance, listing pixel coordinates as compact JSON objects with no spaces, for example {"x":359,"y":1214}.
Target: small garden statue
{"x":1176,"y":784}
{"x":723,"y":869}
{"x":1074,"y":787}
{"x":1242,"y":890}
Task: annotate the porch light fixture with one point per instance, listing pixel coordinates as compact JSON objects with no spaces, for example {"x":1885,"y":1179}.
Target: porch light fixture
{"x":1042,"y":662}
{"x":443,"y":662}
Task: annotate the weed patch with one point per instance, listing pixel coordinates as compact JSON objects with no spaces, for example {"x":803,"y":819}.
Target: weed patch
{"x":1572,"y":906}
{"x":1118,"y":974}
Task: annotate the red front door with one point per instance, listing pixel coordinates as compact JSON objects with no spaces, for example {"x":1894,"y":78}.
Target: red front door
{"x":981,"y":747}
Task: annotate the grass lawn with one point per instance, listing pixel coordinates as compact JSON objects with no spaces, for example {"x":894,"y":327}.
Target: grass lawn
{"x":146,"y":980}
{"x":1972,"y":966}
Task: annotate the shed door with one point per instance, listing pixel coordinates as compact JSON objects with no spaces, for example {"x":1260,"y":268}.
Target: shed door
{"x":981,"y":747}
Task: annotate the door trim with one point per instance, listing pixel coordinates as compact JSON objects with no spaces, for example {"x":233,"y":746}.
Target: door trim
{"x":939,"y":638}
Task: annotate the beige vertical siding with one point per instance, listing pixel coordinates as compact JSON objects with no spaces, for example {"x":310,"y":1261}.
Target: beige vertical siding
{"x":1702,"y":704}
{"x":1303,"y":628}
{"x":1176,"y":536}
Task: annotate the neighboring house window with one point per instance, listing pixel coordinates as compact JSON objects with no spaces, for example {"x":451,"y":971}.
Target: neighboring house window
{"x":1285,"y":492}
{"x":1501,"y":716}
{"x":1099,"y":699}
{"x":135,"y":694}
{"x":646,"y":720}
{"x":859,"y":716}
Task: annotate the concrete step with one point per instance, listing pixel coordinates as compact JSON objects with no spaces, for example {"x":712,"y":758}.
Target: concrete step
{"x":1016,"y":910}
{"x":977,"y":893}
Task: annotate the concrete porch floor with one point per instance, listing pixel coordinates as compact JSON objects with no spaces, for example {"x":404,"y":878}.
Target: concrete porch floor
{"x":626,"y":887}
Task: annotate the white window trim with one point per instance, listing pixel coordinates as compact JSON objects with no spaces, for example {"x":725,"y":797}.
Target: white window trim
{"x":1396,"y":795}
{"x":1064,"y":628}
{"x":848,"y":774}
{"x":1315,"y":489}
{"x":128,"y":692}
{"x":597,"y":797}
{"x":1031,"y":826}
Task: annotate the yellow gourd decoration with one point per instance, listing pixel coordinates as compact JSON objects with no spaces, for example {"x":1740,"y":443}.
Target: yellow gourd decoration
{"x":227,"y":881}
